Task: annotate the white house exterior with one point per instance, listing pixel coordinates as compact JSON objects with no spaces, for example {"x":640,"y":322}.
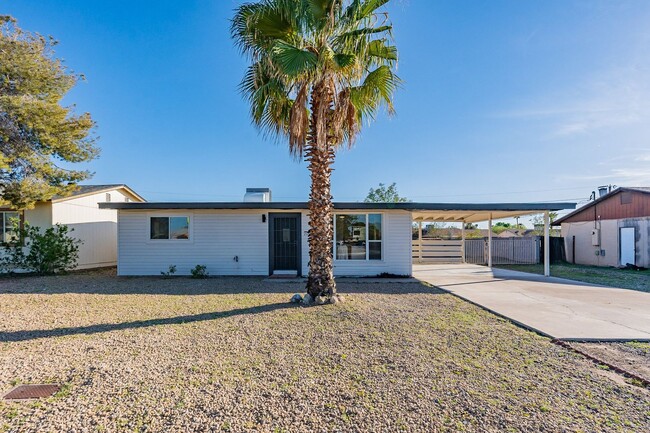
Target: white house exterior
{"x":237,"y":242}
{"x":96,"y":227}
{"x":266,"y":238}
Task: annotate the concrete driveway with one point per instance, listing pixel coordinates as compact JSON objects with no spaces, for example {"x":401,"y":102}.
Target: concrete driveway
{"x":559,"y":308}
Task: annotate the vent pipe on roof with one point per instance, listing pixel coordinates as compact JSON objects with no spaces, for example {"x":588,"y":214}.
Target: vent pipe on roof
{"x":603,"y":190}
{"x":257,"y":195}
{"x":606,"y":189}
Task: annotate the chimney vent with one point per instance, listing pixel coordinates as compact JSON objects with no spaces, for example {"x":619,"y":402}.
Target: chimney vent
{"x":257,"y":195}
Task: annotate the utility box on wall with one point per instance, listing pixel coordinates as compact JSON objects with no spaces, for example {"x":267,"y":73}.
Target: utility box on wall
{"x":595,"y":237}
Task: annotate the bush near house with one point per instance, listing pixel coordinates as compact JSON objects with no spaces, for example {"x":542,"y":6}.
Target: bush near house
{"x":53,"y":251}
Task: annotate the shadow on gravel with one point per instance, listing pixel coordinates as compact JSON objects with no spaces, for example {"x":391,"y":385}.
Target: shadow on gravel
{"x":13,"y":336}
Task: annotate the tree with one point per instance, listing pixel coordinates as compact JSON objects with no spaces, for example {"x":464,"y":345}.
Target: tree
{"x":319,"y":68}
{"x":35,"y":129}
{"x":53,"y":251}
{"x":385,"y":194}
{"x":538,"y":222}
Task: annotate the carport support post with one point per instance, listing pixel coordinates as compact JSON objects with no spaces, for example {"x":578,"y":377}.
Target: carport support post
{"x":490,"y":241}
{"x":547,"y":241}
{"x":462,"y":242}
{"x":420,"y":241}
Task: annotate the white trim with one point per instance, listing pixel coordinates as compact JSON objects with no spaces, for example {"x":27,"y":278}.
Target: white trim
{"x":128,"y":190}
{"x":170,"y":215}
{"x":367,"y":259}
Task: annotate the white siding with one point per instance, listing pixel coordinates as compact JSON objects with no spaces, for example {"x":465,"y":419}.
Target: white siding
{"x":217,"y":236}
{"x":97,"y":228}
{"x":40,"y":216}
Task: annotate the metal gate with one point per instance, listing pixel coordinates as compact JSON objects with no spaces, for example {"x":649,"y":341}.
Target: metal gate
{"x":505,"y":251}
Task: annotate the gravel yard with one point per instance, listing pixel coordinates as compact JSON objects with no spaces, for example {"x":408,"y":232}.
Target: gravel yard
{"x":230,"y":354}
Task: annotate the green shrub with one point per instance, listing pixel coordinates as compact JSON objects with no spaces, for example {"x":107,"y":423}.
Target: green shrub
{"x":200,"y":271}
{"x":170,"y":271}
{"x":53,"y":251}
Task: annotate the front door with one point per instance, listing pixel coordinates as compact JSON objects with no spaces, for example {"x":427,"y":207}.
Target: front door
{"x":284,"y":243}
{"x":628,"y":250}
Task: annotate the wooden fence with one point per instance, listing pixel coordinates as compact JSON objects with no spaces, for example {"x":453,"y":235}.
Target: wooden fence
{"x":437,"y":251}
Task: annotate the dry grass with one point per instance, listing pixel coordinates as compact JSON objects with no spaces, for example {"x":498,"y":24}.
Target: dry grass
{"x":229,"y":354}
{"x":613,"y":277}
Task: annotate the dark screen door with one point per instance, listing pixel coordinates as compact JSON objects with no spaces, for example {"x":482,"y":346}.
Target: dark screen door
{"x":284,"y":243}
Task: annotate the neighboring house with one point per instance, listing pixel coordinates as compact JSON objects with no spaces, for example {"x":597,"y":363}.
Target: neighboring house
{"x":96,"y":227}
{"x":613,"y":230}
{"x":526,"y":233}
{"x":456,"y":233}
{"x":264,"y":237}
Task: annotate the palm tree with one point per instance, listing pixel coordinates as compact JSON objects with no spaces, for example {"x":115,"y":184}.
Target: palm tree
{"x":319,"y":69}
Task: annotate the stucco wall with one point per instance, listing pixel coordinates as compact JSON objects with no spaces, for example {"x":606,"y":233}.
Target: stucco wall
{"x":585,"y":253}
{"x":217,"y":237}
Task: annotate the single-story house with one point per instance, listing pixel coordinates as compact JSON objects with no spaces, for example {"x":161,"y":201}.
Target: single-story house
{"x":264,"y":237}
{"x":80,"y":211}
{"x":613,"y":230}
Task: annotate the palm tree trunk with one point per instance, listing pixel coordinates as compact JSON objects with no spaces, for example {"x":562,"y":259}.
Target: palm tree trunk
{"x":319,"y":153}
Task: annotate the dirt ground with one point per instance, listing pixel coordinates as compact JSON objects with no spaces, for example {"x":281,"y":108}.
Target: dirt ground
{"x":231,"y":354}
{"x":633,"y":356}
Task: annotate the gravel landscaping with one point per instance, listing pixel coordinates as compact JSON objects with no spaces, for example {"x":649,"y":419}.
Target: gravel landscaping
{"x":231,"y":354}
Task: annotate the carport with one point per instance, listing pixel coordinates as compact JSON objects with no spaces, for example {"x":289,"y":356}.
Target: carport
{"x":474,"y":213}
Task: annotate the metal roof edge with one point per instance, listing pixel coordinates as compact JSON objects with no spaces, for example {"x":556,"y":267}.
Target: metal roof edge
{"x":409,"y":206}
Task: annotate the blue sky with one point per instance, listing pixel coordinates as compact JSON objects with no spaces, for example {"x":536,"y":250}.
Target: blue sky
{"x":502,"y":100}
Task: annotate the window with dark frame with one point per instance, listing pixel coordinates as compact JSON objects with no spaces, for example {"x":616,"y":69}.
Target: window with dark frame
{"x":357,"y":236}
{"x":9,"y":221}
{"x":169,"y":227}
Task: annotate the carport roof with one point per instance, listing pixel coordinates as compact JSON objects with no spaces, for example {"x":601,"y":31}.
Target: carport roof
{"x":468,"y":212}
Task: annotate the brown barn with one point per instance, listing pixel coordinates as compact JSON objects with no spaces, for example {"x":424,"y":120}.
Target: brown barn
{"x":613,"y":230}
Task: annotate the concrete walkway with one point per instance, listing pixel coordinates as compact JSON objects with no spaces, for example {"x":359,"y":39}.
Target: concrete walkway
{"x":556,"y":307}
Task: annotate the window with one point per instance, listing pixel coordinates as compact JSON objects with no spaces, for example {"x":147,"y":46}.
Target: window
{"x":108,"y":197}
{"x":175,"y":227}
{"x":9,"y":221}
{"x":357,"y":236}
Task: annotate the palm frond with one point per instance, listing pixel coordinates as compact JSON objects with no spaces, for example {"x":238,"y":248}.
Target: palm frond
{"x":344,"y":60}
{"x":256,"y":26}
{"x":299,"y":121}
{"x":292,"y":60}
{"x":367,"y":31}
{"x":359,"y":10}
{"x":369,"y":7}
{"x":379,"y":48}
{"x":377,"y":90}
